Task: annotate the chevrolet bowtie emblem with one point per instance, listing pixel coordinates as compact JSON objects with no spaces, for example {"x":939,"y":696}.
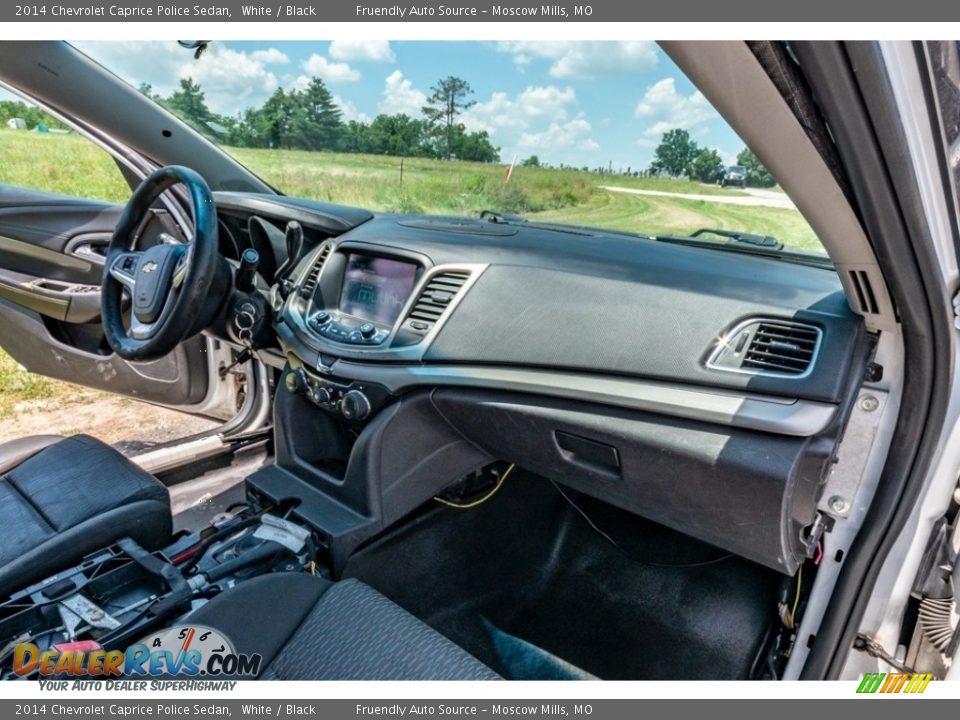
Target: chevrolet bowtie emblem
{"x":148,"y":267}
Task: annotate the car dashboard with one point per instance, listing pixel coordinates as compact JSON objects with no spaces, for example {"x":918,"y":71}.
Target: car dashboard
{"x":705,"y":390}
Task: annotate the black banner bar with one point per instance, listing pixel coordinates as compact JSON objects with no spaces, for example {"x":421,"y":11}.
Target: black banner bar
{"x":261,"y":11}
{"x":213,"y":707}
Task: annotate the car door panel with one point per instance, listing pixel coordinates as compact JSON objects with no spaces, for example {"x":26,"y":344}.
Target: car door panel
{"x":51,"y":262}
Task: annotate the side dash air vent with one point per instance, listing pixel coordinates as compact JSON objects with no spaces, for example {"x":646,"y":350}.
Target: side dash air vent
{"x":434,"y":299}
{"x":768,"y":347}
{"x":313,"y":275}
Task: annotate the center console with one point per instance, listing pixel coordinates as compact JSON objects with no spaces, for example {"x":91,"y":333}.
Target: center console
{"x":360,"y":301}
{"x":356,"y":456}
{"x":373,"y":292}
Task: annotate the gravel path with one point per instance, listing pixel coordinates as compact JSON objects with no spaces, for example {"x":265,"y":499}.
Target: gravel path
{"x":129,"y":425}
{"x":753,"y":197}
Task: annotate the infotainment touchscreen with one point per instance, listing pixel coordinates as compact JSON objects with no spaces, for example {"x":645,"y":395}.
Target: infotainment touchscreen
{"x":375,"y":288}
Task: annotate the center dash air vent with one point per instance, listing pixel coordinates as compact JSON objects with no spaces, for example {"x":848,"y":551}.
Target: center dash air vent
{"x":313,"y":275}
{"x":434,"y":299}
{"x":768,"y":347}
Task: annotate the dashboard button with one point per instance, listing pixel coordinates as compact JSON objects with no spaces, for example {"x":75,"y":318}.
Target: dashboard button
{"x":368,"y":330}
{"x":417,"y":325}
{"x":296,"y":381}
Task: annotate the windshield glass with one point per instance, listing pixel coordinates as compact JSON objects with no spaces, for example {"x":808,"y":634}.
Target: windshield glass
{"x":601,"y":134}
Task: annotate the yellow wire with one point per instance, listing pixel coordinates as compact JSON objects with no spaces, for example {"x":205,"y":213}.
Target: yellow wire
{"x":467,"y":506}
{"x":796,"y":599}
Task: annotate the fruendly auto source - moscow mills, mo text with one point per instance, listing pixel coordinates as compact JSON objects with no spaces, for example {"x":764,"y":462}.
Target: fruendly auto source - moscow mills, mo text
{"x":399,"y":12}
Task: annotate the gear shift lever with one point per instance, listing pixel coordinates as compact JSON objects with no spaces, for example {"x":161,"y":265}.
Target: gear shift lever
{"x":294,"y":237}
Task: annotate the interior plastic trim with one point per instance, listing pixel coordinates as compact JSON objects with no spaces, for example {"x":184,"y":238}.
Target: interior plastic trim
{"x":782,"y":416}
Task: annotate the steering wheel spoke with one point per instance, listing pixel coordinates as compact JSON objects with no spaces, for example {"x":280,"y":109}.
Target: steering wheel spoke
{"x":140,"y":330}
{"x":123,"y":269}
{"x":180,"y":270}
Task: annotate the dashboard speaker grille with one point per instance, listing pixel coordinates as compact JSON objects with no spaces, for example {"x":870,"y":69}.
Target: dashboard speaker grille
{"x":310,"y":281}
{"x":438,"y":293}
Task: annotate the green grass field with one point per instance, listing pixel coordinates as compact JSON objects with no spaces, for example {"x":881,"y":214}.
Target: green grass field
{"x":664,"y":216}
{"x":18,"y":386}
{"x":71,"y":165}
{"x":21,"y":391}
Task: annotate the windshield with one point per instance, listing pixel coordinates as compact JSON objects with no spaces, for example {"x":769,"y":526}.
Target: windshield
{"x":601,"y":134}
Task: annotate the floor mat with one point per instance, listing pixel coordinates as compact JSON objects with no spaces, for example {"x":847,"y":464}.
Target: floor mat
{"x":658,"y":605}
{"x":525,"y":661}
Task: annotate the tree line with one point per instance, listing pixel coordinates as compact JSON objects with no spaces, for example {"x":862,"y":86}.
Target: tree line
{"x":310,"y":119}
{"x":31,"y":116}
{"x":678,"y":155}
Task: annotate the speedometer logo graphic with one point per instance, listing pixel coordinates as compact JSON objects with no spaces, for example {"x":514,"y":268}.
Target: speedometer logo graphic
{"x":184,"y":638}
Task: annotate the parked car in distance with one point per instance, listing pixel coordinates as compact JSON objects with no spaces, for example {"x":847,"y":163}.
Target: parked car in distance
{"x":733,"y":175}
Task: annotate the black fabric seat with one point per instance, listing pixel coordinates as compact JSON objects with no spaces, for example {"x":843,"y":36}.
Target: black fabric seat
{"x":306,"y":628}
{"x":61,"y":498}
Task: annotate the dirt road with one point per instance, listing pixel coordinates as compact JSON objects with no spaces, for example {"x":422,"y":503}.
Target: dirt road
{"x":753,"y":197}
{"x":130,"y":426}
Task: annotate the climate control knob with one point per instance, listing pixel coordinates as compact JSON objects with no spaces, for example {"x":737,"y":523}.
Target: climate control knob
{"x":321,"y":395}
{"x":354,"y":406}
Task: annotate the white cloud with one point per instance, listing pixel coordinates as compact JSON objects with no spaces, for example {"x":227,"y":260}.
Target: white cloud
{"x":536,"y":119}
{"x":546,"y":100}
{"x":373,"y":50}
{"x":231,"y":80}
{"x":349,"y":110}
{"x":584,"y":60}
{"x":329,"y":72}
{"x":400,"y":96}
{"x":666,"y":108}
{"x":270,"y":56}
{"x":501,"y":112}
{"x":574,"y":134}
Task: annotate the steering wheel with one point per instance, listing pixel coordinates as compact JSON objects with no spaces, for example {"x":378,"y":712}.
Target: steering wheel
{"x":170,"y":284}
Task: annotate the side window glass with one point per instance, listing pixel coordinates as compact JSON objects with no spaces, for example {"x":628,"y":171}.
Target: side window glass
{"x":38,"y":151}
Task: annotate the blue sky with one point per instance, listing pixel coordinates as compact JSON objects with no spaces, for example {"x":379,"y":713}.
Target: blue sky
{"x":577,"y":103}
